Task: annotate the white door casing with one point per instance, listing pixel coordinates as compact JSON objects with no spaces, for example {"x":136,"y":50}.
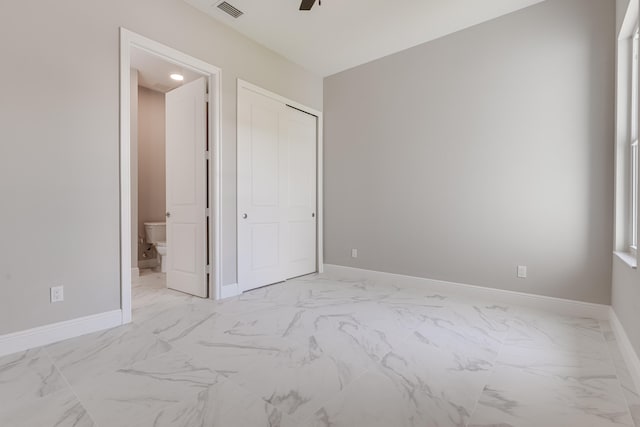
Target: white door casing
{"x":186,"y":165}
{"x":276,"y":191}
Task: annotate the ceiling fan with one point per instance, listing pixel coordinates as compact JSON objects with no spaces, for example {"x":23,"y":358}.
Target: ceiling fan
{"x":308,"y":4}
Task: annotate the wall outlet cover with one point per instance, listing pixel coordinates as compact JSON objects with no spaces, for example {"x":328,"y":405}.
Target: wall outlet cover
{"x":57,"y":294}
{"x":522,"y":271}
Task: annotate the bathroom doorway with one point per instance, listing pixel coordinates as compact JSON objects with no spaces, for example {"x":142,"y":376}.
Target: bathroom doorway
{"x":170,"y":141}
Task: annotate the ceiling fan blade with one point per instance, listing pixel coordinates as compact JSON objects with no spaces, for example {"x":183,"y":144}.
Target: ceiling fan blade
{"x":307,"y":4}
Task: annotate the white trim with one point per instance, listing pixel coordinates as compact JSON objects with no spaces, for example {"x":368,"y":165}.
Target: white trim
{"x":135,"y":273}
{"x":551,"y":304}
{"x":129,"y":39}
{"x":242,"y":84}
{"x":43,"y":335}
{"x":229,"y":291}
{"x":630,"y":20}
{"x":628,"y":352}
{"x":627,"y":258}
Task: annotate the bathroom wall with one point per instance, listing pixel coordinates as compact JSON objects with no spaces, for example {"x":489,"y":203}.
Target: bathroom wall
{"x":151,"y":163}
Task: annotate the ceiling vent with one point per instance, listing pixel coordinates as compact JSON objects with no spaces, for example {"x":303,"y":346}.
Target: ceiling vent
{"x":226,"y":7}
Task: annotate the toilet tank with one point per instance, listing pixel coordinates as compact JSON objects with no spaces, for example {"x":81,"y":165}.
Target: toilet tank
{"x":155,"y":232}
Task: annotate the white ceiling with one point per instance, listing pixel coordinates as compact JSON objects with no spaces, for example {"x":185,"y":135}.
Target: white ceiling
{"x":342,"y":34}
{"x":154,"y":72}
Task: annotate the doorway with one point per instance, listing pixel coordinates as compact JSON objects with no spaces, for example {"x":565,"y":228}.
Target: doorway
{"x":191,"y":206}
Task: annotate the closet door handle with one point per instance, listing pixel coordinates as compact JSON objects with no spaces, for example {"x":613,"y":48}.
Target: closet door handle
{"x":244,"y":216}
{"x":168,"y":214}
{"x":313,"y":215}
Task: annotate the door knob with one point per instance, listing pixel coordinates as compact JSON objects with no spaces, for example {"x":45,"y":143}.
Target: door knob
{"x":168,"y":214}
{"x":313,"y":215}
{"x":244,"y":216}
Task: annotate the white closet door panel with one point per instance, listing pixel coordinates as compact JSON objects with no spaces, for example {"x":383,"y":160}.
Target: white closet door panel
{"x":261,"y":191}
{"x":301,"y":137}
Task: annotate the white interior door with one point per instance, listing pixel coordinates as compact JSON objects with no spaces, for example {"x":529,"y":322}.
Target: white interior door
{"x":276,"y":191}
{"x":300,"y":133}
{"x":186,"y":145}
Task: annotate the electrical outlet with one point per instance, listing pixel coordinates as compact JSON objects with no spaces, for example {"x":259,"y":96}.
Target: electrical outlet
{"x":57,"y":294}
{"x":354,"y":253}
{"x":522,"y":271}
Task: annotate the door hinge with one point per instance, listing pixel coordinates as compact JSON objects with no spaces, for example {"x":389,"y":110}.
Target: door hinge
{"x":207,"y":212}
{"x":207,"y":269}
{"x":207,"y":155}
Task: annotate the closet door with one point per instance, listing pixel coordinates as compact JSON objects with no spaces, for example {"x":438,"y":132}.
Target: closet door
{"x":276,"y":191}
{"x":262,"y":189}
{"x":300,"y":134}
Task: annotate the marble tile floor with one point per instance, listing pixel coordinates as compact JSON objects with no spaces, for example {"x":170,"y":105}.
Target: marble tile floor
{"x":317,"y":352}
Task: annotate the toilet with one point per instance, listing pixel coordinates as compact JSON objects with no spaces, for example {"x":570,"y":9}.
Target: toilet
{"x":156,"y":234}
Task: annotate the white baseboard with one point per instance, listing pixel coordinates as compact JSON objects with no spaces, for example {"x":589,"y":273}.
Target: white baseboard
{"x":228,"y":291}
{"x":628,"y":352}
{"x":135,"y":273}
{"x":43,"y":335}
{"x":551,"y":304}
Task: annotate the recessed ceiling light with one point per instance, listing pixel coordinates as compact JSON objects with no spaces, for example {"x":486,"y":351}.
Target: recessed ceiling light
{"x":177,"y":77}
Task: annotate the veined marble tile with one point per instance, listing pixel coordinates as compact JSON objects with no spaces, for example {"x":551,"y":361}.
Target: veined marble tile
{"x":221,"y":347}
{"x":225,"y":405}
{"x":538,"y":330}
{"x":59,"y":409}
{"x":443,"y":382}
{"x":353,"y":316}
{"x":84,"y":358}
{"x":466,"y":329}
{"x":252,"y":301}
{"x":169,"y":323}
{"x":300,"y":381}
{"x":28,"y":376}
{"x":373,"y":400}
{"x":357,"y":344}
{"x":145,"y":392}
{"x":533,"y":387}
{"x":149,"y":292}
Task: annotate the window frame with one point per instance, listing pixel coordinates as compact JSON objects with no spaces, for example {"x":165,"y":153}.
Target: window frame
{"x":633,"y":143}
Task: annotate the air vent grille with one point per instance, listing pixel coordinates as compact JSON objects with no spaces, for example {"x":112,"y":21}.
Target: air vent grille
{"x":226,"y":7}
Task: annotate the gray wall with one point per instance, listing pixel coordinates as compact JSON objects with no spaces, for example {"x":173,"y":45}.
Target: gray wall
{"x":463,"y":157}
{"x":59,"y":127}
{"x":625,"y":297}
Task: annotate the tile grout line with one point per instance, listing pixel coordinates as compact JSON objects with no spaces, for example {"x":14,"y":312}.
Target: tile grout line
{"x":73,"y":391}
{"x":493,"y":367}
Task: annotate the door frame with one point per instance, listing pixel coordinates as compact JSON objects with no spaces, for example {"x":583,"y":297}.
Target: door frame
{"x":242,"y":84}
{"x":213,"y":75}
